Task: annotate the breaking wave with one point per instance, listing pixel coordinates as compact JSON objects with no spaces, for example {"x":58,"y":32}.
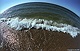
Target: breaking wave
{"x":18,"y":24}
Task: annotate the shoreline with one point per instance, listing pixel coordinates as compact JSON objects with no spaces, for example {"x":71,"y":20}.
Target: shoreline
{"x":50,"y":25}
{"x":40,"y":40}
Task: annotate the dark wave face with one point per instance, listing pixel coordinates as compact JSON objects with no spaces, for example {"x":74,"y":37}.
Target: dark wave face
{"x":43,"y":11}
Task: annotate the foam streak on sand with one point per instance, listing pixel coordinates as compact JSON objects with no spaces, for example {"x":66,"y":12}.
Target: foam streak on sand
{"x":18,"y":24}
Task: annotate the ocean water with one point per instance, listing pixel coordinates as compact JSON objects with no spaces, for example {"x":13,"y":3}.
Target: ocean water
{"x":50,"y":25}
{"x":40,"y":10}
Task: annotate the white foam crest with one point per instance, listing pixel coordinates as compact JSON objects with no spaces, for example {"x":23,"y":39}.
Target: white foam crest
{"x":49,"y":25}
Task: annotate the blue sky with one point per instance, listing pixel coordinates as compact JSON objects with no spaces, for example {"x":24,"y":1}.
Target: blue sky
{"x":73,"y":5}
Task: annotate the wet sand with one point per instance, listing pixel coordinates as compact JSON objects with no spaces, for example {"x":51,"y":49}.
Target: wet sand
{"x":40,"y":40}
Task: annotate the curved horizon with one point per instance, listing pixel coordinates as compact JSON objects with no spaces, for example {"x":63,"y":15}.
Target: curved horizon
{"x":69,"y":4}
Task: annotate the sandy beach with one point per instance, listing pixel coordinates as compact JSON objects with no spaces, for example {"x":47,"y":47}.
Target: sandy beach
{"x":41,"y":40}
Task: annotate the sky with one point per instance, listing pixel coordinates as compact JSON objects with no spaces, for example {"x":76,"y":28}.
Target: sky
{"x":73,"y":5}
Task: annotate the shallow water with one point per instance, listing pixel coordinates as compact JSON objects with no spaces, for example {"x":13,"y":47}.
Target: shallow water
{"x":50,"y":25}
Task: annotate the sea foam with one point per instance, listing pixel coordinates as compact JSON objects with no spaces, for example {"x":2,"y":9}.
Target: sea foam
{"x":18,"y":24}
